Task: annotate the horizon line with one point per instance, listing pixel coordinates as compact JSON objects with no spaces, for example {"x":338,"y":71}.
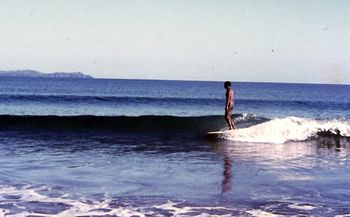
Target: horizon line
{"x":162,"y":79}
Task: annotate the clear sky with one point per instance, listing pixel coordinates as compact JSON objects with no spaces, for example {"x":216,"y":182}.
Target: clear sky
{"x":262,"y":41}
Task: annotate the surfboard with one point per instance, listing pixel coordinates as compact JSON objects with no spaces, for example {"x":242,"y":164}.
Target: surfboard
{"x":214,"y":134}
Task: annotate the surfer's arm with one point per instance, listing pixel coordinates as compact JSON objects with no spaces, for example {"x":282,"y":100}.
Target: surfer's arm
{"x":229,"y":101}
{"x":233,"y":99}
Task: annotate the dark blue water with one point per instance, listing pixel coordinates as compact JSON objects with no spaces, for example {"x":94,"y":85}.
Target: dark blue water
{"x":106,"y":97}
{"x":99,"y":147}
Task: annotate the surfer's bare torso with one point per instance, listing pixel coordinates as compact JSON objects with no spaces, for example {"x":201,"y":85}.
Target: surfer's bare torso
{"x":229,"y":105}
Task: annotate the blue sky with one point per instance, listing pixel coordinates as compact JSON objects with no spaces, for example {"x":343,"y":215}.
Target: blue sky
{"x":261,"y":41}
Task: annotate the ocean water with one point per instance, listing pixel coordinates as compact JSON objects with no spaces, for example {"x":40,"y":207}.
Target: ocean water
{"x":103,"y":147}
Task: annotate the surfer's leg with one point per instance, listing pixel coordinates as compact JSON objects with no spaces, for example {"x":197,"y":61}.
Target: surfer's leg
{"x":232,"y":123}
{"x":228,"y":119}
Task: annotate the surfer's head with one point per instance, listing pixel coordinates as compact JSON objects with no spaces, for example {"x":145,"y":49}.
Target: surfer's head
{"x":227,"y":84}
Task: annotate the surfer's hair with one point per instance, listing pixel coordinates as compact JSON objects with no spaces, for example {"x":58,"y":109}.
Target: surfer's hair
{"x":227,"y":84}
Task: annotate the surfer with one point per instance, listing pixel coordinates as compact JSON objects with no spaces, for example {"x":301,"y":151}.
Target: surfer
{"x":230,"y":98}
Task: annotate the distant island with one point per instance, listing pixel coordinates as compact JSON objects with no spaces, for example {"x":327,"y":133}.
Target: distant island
{"x":36,"y":74}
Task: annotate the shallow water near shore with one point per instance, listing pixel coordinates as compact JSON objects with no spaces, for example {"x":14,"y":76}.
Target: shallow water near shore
{"x":103,"y":175}
{"x":102,"y":148}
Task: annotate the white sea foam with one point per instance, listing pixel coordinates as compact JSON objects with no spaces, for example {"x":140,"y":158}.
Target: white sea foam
{"x":77,"y":207}
{"x":287,"y":129}
{"x":301,"y":207}
{"x":3,"y":213}
{"x":81,"y":207}
{"x":176,"y":211}
{"x":245,"y":116}
{"x":261,"y":213}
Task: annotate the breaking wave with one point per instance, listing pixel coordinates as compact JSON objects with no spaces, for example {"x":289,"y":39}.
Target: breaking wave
{"x":282,"y":130}
{"x":250,"y":128}
{"x":151,"y":123}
